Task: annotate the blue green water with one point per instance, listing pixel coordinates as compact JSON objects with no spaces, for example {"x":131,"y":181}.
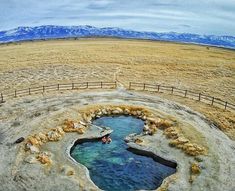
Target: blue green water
{"x":112,"y":167}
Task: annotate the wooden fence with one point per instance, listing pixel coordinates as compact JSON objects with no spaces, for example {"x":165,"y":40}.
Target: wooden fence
{"x":183,"y":93}
{"x":56,"y":87}
{"x":110,"y":85}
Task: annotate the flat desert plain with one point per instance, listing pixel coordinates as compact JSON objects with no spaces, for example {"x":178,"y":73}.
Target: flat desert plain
{"x":202,"y":69}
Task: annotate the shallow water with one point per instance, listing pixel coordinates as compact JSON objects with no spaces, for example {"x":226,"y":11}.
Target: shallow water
{"x":112,"y":167}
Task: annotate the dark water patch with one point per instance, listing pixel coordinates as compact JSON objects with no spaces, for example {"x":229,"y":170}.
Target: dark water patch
{"x":156,"y":158}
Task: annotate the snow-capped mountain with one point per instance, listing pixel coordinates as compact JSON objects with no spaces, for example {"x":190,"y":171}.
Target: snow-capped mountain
{"x":50,"y":31}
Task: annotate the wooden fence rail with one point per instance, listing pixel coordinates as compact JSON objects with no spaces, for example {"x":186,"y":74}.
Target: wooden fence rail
{"x":110,"y":85}
{"x":56,"y":87}
{"x":183,"y":93}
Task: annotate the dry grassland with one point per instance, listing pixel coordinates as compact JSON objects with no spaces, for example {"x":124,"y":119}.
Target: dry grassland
{"x":192,"y":67}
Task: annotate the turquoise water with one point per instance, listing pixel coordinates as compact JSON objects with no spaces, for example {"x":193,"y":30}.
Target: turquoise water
{"x":112,"y":167}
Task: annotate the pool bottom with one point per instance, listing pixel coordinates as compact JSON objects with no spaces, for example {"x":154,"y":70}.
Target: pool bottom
{"x":112,"y":166}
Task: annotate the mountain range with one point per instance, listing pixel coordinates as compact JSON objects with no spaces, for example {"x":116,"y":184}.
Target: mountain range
{"x":52,"y":31}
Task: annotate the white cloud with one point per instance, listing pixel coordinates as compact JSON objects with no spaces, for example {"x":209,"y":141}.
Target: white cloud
{"x":194,"y":16}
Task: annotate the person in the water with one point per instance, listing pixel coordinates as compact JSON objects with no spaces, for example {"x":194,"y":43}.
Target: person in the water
{"x":106,"y":139}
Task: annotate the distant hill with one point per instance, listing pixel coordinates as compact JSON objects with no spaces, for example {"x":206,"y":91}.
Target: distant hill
{"x":51,"y":31}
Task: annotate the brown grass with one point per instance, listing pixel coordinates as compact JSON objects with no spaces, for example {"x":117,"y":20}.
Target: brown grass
{"x":193,"y":67}
{"x":188,"y":66}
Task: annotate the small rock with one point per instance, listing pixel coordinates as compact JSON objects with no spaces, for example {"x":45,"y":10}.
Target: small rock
{"x":164,"y":124}
{"x":53,"y":136}
{"x":33,"y":149}
{"x":146,"y":128}
{"x":42,"y":137}
{"x":30,"y":159}
{"x":144,"y":117}
{"x":21,"y":139}
{"x":182,"y":140}
{"x":69,"y":123}
{"x":151,"y":120}
{"x":150,"y":132}
{"x":70,"y":173}
{"x":44,"y":158}
{"x":59,"y":130}
{"x":126,"y":111}
{"x":104,"y":111}
{"x":127,"y":139}
{"x":67,"y":170}
{"x":99,"y":113}
{"x":138,"y":141}
{"x":92,"y":115}
{"x":117,"y":111}
{"x":195,"y":168}
{"x":81,"y":131}
{"x":139,"y":112}
{"x":76,"y":125}
{"x":88,"y":117}
{"x":82,"y":123}
{"x":134,"y":113}
{"x":33,"y":141}
{"x":145,"y":133}
{"x":192,"y":178}
{"x":27,"y":146}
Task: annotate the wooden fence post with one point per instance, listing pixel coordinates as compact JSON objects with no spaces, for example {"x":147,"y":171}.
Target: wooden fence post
{"x":2,"y":98}
{"x":225,"y":106}
{"x":72,"y":86}
{"x":212,"y":101}
{"x":201,"y":96}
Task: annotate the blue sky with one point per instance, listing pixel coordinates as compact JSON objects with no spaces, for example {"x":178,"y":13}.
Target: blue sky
{"x":193,"y":16}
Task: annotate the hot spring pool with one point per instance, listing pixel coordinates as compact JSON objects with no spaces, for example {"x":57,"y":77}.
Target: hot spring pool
{"x":112,"y":167}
